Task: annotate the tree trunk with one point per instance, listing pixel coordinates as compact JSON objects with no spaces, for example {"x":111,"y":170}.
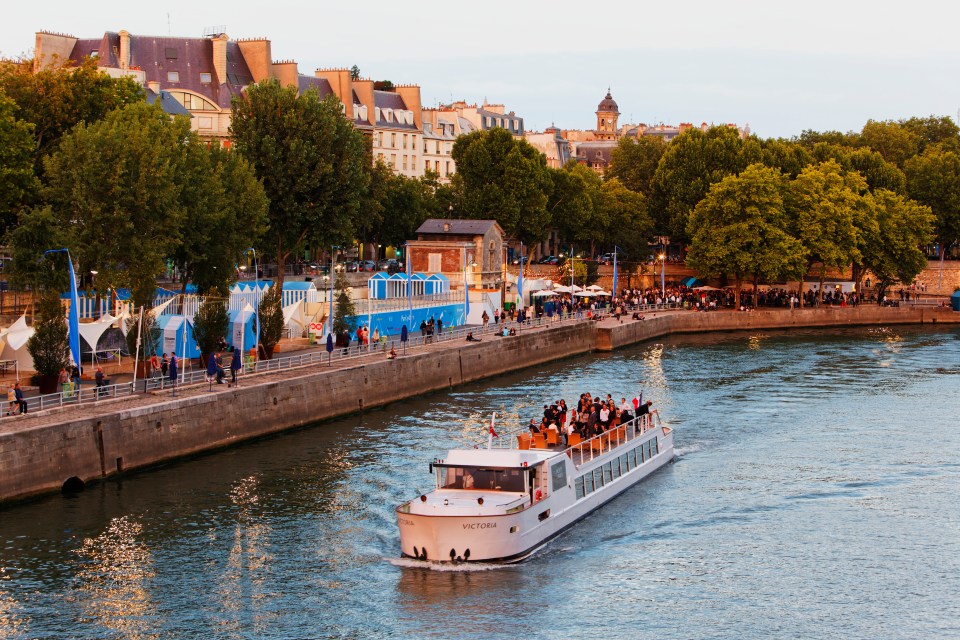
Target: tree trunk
{"x":754,"y":291}
{"x":738,"y":282}
{"x":281,"y":263}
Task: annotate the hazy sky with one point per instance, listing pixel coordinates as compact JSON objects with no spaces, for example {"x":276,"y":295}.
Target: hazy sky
{"x":781,"y":67}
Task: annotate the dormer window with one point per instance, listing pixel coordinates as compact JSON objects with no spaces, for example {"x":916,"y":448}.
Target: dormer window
{"x":173,"y":76}
{"x":205,"y":77}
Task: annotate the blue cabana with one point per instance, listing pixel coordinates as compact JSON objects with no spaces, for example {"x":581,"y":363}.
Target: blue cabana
{"x":377,"y":286}
{"x":172,"y":337}
{"x":295,"y":291}
{"x":243,"y":329}
{"x":436,"y":283}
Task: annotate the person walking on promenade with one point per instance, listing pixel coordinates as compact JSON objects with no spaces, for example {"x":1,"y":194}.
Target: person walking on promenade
{"x":18,"y":396}
{"x":485,"y":318}
{"x":164,"y":366}
{"x":99,"y":379}
{"x":235,"y":364}
{"x":75,"y":377}
{"x":173,"y":368}
{"x":11,"y":400}
{"x":154,"y":366}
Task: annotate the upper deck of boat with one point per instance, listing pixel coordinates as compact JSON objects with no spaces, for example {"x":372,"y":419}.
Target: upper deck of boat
{"x":519,"y":449}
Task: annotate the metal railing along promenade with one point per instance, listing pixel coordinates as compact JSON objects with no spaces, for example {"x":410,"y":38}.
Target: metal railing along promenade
{"x":318,"y":357}
{"x":82,"y":395}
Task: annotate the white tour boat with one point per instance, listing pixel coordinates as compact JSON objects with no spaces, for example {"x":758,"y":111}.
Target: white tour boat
{"x":501,"y":504}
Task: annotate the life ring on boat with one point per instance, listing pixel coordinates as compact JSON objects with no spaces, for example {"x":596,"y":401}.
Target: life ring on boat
{"x":538,"y":496}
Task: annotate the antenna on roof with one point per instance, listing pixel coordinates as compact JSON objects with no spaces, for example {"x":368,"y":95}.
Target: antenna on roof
{"x":215,"y":30}
{"x":168,"y":24}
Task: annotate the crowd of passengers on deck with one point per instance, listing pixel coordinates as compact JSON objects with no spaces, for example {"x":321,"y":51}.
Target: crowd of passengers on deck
{"x":592,"y":416}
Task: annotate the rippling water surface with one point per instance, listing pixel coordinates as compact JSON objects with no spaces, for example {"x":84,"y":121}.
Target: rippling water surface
{"x":814,"y":495}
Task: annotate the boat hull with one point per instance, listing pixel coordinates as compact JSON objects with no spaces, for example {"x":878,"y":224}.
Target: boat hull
{"x":513,"y":537}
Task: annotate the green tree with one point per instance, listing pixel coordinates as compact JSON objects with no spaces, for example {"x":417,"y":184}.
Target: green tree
{"x":116,"y":187}
{"x":740,"y":229}
{"x":354,"y":72}
{"x":344,"y":314}
{"x":933,"y":130}
{"x":57,"y":98}
{"x":878,"y":173}
{"x":822,"y":204}
{"x":314,"y":165}
{"x":211,"y":323}
{"x":270,"y":317}
{"x":634,"y":162}
{"x":810,"y":138}
{"x":504,"y":179}
{"x":18,"y":183}
{"x":691,"y":163}
{"x":406,"y":203}
{"x":894,"y":142}
{"x":49,"y":346}
{"x":39,"y":229}
{"x":893,"y":253}
{"x":227,"y":212}
{"x":627,"y":222}
{"x":575,"y":204}
{"x":788,"y":156}
{"x":933,"y":179}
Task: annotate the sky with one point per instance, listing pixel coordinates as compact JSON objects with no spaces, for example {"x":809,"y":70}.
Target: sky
{"x":781,"y":67}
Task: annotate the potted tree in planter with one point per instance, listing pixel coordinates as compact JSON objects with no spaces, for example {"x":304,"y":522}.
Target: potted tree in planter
{"x":344,"y":315}
{"x":210,"y":324}
{"x":50,"y":344}
{"x":271,"y":320}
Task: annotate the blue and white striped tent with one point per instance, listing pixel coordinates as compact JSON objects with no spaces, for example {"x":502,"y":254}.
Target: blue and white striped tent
{"x":173,"y":335}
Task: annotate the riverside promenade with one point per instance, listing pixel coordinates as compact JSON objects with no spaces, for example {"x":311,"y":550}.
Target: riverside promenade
{"x":73,"y":446}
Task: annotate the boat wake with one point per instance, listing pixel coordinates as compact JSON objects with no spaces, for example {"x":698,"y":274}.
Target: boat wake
{"x":463,"y":567}
{"x":682,"y":451}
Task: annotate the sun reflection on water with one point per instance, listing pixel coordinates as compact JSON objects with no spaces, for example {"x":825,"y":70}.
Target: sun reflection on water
{"x":113,"y":574}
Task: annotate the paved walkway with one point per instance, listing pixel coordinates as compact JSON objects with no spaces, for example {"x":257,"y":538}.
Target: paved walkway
{"x":110,"y":405}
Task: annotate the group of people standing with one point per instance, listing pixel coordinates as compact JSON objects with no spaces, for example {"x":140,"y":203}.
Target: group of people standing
{"x":592,"y":416}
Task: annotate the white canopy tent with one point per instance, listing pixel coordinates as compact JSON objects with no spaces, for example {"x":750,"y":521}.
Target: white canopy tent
{"x":294,"y":318}
{"x":545,"y":293}
{"x":13,"y":344}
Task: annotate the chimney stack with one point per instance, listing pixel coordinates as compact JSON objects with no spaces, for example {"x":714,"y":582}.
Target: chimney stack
{"x":154,"y":85}
{"x":220,"y":57}
{"x":124,"y":49}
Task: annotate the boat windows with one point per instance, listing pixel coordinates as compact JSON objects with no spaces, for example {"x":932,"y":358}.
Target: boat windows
{"x":607,"y":473}
{"x":597,"y":478}
{"x":623,"y":465}
{"x":578,"y":487}
{"x":558,"y":476}
{"x":656,"y":446}
{"x":481,"y":478}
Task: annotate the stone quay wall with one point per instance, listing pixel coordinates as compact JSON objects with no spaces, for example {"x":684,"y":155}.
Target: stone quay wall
{"x":107,"y":441}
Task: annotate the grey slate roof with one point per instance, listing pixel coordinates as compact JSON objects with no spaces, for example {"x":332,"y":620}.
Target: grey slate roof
{"x":170,"y":104}
{"x":456,"y":227}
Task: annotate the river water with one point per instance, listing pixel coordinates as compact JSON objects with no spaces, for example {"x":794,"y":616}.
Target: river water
{"x":814,"y":495}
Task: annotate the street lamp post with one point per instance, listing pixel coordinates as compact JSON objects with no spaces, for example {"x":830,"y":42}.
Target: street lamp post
{"x":663,"y":275}
{"x":256,"y":292}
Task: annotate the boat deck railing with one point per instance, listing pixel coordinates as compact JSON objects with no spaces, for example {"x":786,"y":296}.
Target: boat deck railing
{"x":583,"y":451}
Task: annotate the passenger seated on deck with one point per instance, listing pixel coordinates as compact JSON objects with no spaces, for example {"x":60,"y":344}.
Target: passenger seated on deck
{"x":467,"y":480}
{"x":534,"y":429}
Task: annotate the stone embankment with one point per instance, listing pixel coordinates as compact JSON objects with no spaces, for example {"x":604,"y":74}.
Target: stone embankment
{"x":39,"y":454}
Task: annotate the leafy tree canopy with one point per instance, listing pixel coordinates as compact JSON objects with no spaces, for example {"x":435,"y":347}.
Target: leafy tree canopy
{"x":933,"y":179}
{"x":635,"y":161}
{"x":740,"y":229}
{"x":313,"y":164}
{"x":57,"y":98}
{"x":691,"y":163}
{"x":504,"y":179}
{"x":18,"y":183}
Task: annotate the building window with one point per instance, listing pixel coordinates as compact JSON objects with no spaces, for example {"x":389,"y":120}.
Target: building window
{"x":170,"y":53}
{"x":393,"y":160}
{"x":438,"y":147}
{"x":404,"y":141}
{"x":206,"y":78}
{"x":448,"y":168}
{"x":404,"y":160}
{"x":173,"y":76}
{"x":435,"y":262}
{"x":393,"y":140}
{"x":205,"y":123}
{"x":94,"y":54}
